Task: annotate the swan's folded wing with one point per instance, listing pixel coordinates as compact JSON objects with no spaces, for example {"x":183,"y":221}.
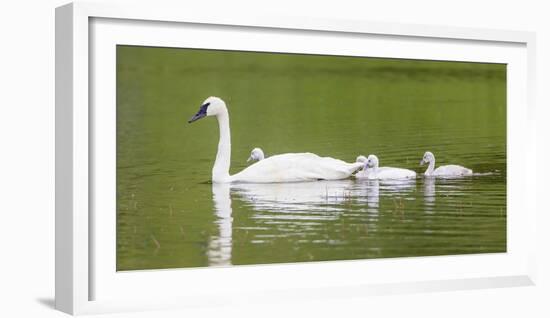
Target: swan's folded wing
{"x":452,"y":170}
{"x":395,"y":173}
{"x":296,"y":167}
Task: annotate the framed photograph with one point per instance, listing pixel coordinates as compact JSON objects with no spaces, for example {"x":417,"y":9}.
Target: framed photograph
{"x":205,"y":159}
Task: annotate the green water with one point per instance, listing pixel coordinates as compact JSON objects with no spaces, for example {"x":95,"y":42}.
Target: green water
{"x":170,"y":215}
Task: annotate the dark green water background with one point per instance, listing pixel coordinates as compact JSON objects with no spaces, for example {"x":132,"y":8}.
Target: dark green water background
{"x":169,"y":215}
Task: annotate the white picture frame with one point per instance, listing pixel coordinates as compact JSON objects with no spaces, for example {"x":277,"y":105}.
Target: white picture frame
{"x":77,"y":250}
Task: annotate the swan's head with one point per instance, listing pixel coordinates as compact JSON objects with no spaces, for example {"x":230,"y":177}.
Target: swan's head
{"x":362,"y":159}
{"x":428,"y":157}
{"x":212,"y":106}
{"x":256,"y":154}
{"x":372,"y":162}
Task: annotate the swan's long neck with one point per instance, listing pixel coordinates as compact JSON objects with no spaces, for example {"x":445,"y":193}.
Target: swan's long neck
{"x":368,"y":169}
{"x":220,"y":172}
{"x":374,"y":168}
{"x":431,"y":167}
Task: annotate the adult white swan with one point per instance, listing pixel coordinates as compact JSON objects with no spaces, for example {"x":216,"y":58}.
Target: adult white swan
{"x":290,"y":167}
{"x":256,"y":154}
{"x":373,"y":172}
{"x":443,"y":171}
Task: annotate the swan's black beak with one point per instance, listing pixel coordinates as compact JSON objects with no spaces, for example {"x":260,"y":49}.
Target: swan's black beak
{"x":196,"y":117}
{"x":200,"y":114}
{"x":422,"y":162}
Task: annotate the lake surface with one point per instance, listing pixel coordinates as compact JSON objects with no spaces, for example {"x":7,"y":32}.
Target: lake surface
{"x":169,"y":214}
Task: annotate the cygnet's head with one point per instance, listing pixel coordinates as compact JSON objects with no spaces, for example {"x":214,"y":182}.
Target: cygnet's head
{"x":256,"y":155}
{"x":212,"y":106}
{"x":362,"y":159}
{"x":372,"y":161}
{"x":428,"y":157}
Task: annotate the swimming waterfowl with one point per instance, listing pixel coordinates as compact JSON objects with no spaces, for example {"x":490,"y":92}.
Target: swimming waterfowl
{"x":443,"y":171}
{"x":290,"y":167}
{"x":373,"y":172}
{"x":256,"y":154}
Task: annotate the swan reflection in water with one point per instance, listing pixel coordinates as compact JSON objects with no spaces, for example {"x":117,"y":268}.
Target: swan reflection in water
{"x":448,"y":190}
{"x":373,"y":195}
{"x":429,"y":194}
{"x":296,"y":196}
{"x":296,"y":203}
{"x":373,"y":189}
{"x":219,"y":248}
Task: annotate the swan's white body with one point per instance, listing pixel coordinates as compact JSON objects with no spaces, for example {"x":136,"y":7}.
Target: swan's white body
{"x":383,"y":173}
{"x":295,"y":167}
{"x":257,"y":154}
{"x":372,"y":171}
{"x":291,"y":167}
{"x":443,"y":171}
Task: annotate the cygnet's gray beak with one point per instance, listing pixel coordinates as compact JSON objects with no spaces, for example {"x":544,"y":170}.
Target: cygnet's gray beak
{"x":422,"y":162}
{"x":249,"y":159}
